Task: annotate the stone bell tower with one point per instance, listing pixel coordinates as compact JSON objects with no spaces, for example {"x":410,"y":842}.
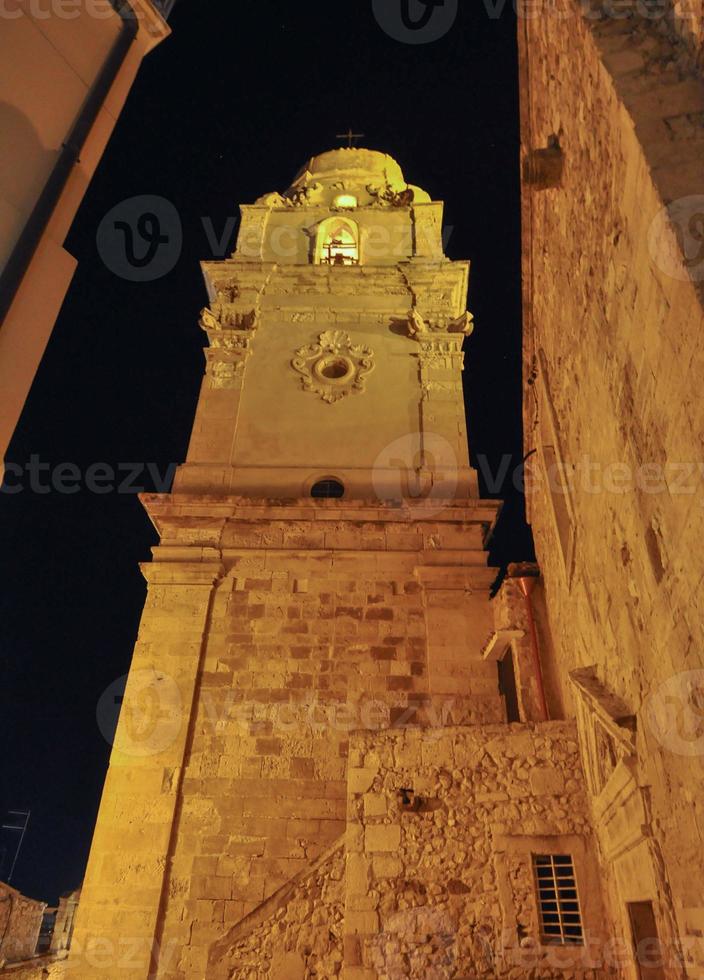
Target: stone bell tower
{"x":335,"y":330}
{"x":321,"y":568}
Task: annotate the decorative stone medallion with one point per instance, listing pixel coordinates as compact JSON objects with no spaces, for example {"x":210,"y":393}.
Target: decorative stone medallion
{"x":334,"y":367}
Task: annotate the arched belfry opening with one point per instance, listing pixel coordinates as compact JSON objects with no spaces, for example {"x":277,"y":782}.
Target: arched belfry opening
{"x":337,"y":242}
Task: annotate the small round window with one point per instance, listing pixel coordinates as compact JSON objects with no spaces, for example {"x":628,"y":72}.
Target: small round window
{"x":335,"y":369}
{"x":327,"y":488}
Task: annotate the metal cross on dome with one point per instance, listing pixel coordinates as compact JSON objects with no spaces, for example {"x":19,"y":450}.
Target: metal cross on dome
{"x":350,"y":136}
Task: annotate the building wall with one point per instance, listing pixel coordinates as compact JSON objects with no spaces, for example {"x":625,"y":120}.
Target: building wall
{"x":445,"y":887}
{"x":613,"y":366}
{"x":439,"y":888}
{"x":52,"y":56}
{"x":37,"y":118}
{"x":43,"y":968}
{"x":65,"y":920}
{"x":20,"y":922}
{"x":689,"y":24}
{"x":324,"y":618}
{"x":299,"y":933}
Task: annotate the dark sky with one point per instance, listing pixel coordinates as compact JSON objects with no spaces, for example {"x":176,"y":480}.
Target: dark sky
{"x":225,"y":110}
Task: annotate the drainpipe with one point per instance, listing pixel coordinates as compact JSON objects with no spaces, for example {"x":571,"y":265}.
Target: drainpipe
{"x":28,"y":242}
{"x":526,"y":583}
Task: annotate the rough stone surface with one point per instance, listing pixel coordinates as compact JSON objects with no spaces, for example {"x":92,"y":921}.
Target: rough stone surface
{"x":436,"y":904}
{"x":613,"y":367}
{"x":300,"y":938}
{"x":43,"y":968}
{"x":20,"y":922}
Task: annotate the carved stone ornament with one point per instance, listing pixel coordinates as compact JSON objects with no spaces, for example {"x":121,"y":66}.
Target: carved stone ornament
{"x":334,"y":367}
{"x":420,"y":328}
{"x":303,"y":193}
{"x":223,"y":373}
{"x":388,"y":197}
{"x":229,"y":333}
{"x":221,"y":316}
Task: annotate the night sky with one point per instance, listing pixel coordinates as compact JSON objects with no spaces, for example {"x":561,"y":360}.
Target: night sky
{"x":228,"y":108}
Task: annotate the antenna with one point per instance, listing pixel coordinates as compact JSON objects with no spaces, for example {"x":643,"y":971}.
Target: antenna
{"x":13,"y":816}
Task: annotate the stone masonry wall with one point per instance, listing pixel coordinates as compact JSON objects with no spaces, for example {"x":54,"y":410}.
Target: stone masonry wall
{"x":43,"y":968}
{"x":614,"y":358}
{"x":20,"y":922}
{"x":324,"y":617}
{"x":443,"y":887}
{"x":296,"y":935}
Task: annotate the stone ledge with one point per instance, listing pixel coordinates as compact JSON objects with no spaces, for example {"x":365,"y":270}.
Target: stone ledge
{"x":222,"y":506}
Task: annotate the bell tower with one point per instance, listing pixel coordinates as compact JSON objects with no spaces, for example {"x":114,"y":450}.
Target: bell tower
{"x":321,"y":567}
{"x":334,"y":331}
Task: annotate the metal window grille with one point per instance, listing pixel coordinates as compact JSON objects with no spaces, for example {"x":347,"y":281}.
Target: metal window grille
{"x":558,"y":902}
{"x":327,"y":488}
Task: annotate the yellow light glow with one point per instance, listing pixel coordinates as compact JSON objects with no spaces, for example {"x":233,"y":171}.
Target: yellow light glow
{"x":345,"y":201}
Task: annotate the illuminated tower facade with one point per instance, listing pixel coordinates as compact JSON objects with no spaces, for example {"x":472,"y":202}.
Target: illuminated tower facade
{"x":313,"y":668}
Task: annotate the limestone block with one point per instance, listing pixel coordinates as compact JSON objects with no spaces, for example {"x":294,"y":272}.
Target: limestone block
{"x":287,"y":966}
{"x":547,"y":782}
{"x":375,"y":805}
{"x":362,"y":923}
{"x":382,"y":837}
{"x":387,"y":867}
{"x":360,"y":780}
{"x":357,"y":874}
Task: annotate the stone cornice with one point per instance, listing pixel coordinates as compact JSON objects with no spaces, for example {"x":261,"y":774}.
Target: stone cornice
{"x":215,"y":508}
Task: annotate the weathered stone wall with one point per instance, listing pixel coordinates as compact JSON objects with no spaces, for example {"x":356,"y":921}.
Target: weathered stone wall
{"x":688,"y":23}
{"x":65,"y":920}
{"x":614,"y":358}
{"x":513,"y":612}
{"x":296,"y":934}
{"x":323,"y":617}
{"x":20,"y":922}
{"x":444,"y":887}
{"x":656,"y":78}
{"x":321,"y":625}
{"x":43,"y":968}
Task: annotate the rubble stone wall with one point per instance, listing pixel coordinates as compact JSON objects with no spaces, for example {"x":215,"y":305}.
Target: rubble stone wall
{"x":44,"y":968}
{"x":444,"y":886}
{"x":20,"y":922}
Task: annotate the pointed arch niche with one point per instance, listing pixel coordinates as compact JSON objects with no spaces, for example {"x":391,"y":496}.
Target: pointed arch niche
{"x":337,"y":242}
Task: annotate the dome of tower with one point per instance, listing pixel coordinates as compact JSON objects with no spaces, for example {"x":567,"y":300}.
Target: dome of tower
{"x":349,"y":177}
{"x":354,"y":162}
